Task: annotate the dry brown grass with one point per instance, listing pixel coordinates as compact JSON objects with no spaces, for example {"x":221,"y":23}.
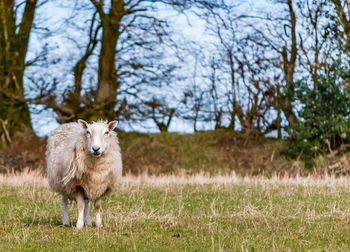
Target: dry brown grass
{"x":25,"y":177}
{"x":36,"y":178}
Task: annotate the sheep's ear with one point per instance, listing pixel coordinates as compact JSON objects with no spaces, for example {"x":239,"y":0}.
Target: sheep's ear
{"x":83,"y":124}
{"x":112,"y":125}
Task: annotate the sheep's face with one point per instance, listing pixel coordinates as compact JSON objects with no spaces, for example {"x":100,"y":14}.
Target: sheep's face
{"x":97,"y":135}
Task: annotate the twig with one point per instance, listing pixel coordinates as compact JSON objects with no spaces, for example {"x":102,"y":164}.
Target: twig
{"x":7,"y":135}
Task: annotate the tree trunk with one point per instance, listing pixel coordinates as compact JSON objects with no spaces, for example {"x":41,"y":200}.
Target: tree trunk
{"x":100,"y":103}
{"x":289,"y":68}
{"x":14,"y":112}
{"x":279,"y":120}
{"x":105,"y":99}
{"x":233,"y":87}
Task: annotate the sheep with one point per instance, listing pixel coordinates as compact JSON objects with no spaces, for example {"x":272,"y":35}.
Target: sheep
{"x":83,"y":163}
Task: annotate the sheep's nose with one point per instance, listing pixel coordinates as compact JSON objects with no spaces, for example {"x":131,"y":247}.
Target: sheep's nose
{"x":95,"y":148}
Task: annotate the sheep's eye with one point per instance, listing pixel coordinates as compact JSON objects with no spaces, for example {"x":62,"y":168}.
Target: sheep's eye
{"x":107,"y":132}
{"x":88,"y":132}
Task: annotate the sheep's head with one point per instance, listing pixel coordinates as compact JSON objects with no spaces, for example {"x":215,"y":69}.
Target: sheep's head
{"x":97,"y":136}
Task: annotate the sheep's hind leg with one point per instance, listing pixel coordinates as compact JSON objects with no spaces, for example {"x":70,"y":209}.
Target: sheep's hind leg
{"x":81,"y":206}
{"x":65,"y":218}
{"x":87,"y":218}
{"x":98,"y":212}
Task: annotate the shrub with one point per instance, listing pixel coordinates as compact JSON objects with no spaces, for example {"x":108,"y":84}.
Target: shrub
{"x":324,"y":120}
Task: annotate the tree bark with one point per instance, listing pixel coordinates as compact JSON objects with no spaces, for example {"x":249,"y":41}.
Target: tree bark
{"x":279,"y":120}
{"x":105,"y":99}
{"x":14,"y":111}
{"x":99,"y":104}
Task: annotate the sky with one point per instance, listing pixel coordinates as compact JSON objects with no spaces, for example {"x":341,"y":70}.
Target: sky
{"x":55,"y":16}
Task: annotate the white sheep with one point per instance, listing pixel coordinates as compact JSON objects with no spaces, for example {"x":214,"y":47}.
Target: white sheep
{"x":83,"y":163}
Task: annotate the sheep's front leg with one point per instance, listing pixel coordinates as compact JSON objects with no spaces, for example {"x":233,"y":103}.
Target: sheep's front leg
{"x":98,"y":212}
{"x":80,"y":204}
{"x":87,"y":218}
{"x":65,"y":219}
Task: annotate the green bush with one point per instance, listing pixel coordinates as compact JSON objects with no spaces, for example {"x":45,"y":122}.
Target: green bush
{"x":323,"y":118}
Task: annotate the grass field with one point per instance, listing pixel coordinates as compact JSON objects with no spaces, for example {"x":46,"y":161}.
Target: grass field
{"x":196,"y":213}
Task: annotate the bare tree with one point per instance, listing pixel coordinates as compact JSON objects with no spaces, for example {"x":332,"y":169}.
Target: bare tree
{"x":14,"y":38}
{"x":344,"y":17}
{"x":158,"y":111}
{"x":238,"y":80}
{"x":282,"y":42}
{"x":128,"y":35}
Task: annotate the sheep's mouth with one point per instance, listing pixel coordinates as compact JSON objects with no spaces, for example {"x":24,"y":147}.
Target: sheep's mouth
{"x":96,"y":154}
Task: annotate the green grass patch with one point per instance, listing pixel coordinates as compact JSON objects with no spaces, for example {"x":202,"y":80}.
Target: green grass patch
{"x":183,"y":217}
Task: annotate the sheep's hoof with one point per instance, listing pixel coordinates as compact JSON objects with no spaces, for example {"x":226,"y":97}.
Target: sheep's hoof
{"x":65,"y":222}
{"x":88,"y":223}
{"x":98,"y":221}
{"x":80,"y":224}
